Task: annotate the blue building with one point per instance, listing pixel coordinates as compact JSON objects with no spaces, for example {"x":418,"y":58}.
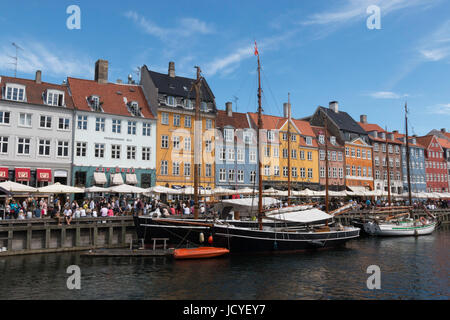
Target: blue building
{"x":417,"y":165}
{"x":236,"y":150}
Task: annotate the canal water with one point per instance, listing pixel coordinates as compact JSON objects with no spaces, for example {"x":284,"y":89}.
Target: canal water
{"x":411,"y":268}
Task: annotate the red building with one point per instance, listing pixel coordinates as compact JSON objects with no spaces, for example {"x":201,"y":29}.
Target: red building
{"x":435,"y":164}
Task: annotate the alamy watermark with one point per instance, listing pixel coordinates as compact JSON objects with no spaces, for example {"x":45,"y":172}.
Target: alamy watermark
{"x":374,"y":20}
{"x":374,"y":280}
{"x":74,"y":280}
{"x":74,"y":20}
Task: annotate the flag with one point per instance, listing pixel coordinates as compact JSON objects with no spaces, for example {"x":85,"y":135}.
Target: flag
{"x":256,"y":50}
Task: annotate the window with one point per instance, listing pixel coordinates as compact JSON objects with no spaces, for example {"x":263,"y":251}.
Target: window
{"x":187,"y":143}
{"x":341,"y":172}
{"x":82,"y":122}
{"x":146,"y":152}
{"x":230,"y":154}
{"x":164,"y":142}
{"x":116,"y":125}
{"x":310,"y":173}
{"x":176,"y":120}
{"x":252,"y":156}
{"x":115,"y":151}
{"x":285,"y":171}
{"x":322,"y":172}
{"x":267,"y":151}
{"x":231,"y":175}
{"x":358,"y":153}
{"x":164,"y":118}
{"x":55,"y":98}
{"x":208,"y":145}
{"x":176,"y":142}
{"x":333,"y":156}
{"x":100,"y":124}
{"x":203,"y":106}
{"x":175,"y":168}
{"x":294,"y":154}
{"x":94,"y":102}
{"x":63,"y":124}
{"x":25,"y":119}
{"x":187,"y":121}
{"x":45,"y":122}
{"x":222,"y":175}
{"x":285,"y":153}
{"x":322,"y":139}
{"x":377,"y":174}
{"x":309,"y":141}
{"x":63,"y":149}
{"x":222,"y":154}
{"x":99,"y":151}
{"x":208,"y":123}
{"x":334,"y":172}
{"x":333,"y":140}
{"x":369,"y":172}
{"x":81,"y":148}
{"x":240,"y":175}
{"x":276,"y":171}
{"x":293,"y":137}
{"x":4,"y":117}
{"x":208,"y":170}
{"x":322,"y":154}
{"x":228,"y":135}
{"x":170,"y":101}
{"x":131,"y":152}
{"x":164,"y":168}
{"x":187,"y":169}
{"x":267,"y":170}
{"x":294,"y":172}
{"x":252,"y":176}
{"x":285,"y":136}
{"x":302,"y":155}
{"x":353,"y":152}
{"x":276,"y":152}
{"x":369,"y":155}
{"x":188,"y":104}
{"x":132,"y":127}
{"x":270,"y":135}
{"x":340,"y":156}
{"x":347,"y":170}
{"x":15,"y":92}
{"x":363,"y":153}
{"x":4,"y":145}
{"x":383,"y":147}
{"x":353,"y":171}
{"x":23,"y":146}
{"x":247,"y":137}
{"x":240,"y":155}
{"x":44,"y":147}
{"x":309,"y":155}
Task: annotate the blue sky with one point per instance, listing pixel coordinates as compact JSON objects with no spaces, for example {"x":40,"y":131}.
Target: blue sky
{"x":318,"y":51}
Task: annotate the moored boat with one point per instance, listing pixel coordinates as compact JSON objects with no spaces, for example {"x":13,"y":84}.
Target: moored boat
{"x":199,"y":253}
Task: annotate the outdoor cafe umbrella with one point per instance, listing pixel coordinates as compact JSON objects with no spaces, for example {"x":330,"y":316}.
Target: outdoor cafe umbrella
{"x":60,"y":188}
{"x":125,"y":188}
{"x":14,"y":187}
{"x":94,"y":189}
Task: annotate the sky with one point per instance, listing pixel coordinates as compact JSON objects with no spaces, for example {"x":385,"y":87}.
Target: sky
{"x":315,"y":51}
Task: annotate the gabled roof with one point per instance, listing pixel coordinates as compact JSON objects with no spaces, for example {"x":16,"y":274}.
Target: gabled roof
{"x":399,"y":137}
{"x":369,"y":127}
{"x":237,"y":120}
{"x":321,"y":131}
{"x":180,"y":86}
{"x":34,"y":91}
{"x":112,"y":96}
{"x":426,"y":140}
{"x":344,"y":121}
{"x":444,"y":143}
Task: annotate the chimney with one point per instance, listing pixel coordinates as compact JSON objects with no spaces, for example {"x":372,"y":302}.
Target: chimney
{"x":38,"y":78}
{"x":229,"y":109}
{"x":119,"y":81}
{"x":101,"y":71}
{"x":443,"y":130}
{"x":363,"y":118}
{"x":390,"y":136}
{"x":395,"y":131}
{"x":287,"y":110}
{"x":334,"y":106}
{"x":172,"y":69}
{"x":130,"y":79}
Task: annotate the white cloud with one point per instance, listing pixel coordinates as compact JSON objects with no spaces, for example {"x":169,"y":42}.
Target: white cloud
{"x":186,"y":27}
{"x":440,"y":109}
{"x":436,"y":46}
{"x":387,"y":95}
{"x":52,"y":61}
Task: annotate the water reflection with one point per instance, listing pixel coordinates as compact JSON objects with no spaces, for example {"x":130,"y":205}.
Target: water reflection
{"x":412,"y":268}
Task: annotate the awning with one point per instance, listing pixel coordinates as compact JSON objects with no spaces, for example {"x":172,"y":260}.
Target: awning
{"x":359,"y":191}
{"x":99,"y":178}
{"x":131,"y":178}
{"x":4,"y":174}
{"x":116,"y":179}
{"x":44,"y":175}
{"x":23,"y":174}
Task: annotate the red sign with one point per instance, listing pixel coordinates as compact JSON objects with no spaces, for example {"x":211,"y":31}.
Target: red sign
{"x":3,"y":173}
{"x":44,"y":175}
{"x":22,"y":174}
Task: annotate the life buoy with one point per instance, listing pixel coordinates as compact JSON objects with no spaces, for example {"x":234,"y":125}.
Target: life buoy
{"x":423,"y":220}
{"x":210,"y":239}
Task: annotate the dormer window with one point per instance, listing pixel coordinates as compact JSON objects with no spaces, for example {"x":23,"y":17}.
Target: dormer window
{"x":414,"y":141}
{"x":333,"y":140}
{"x":204,"y":106}
{"x":188,"y":104}
{"x":134,"y":109}
{"x":54,"y":98}
{"x":170,"y":101}
{"x":322,"y":139}
{"x":94,"y":103}
{"x":15,"y":92}
{"x":309,"y":141}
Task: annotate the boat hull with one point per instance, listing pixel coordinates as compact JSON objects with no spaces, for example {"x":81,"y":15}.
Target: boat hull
{"x":199,"y":253}
{"x":395,"y":230}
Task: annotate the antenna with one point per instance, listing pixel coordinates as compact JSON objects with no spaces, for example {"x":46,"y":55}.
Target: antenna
{"x":235,"y":99}
{"x":138,"y":73}
{"x":16,"y":58}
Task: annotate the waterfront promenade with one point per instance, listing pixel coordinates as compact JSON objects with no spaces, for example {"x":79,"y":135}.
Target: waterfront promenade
{"x":44,"y":235}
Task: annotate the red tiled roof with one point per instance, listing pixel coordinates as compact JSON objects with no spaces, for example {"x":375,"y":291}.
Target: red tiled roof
{"x":111,"y":94}
{"x":424,"y":141}
{"x":321,"y":130}
{"x":34,"y":91}
{"x":368,"y":127}
{"x":400,"y":136}
{"x":444,"y":143}
{"x":237,"y":120}
{"x":269,"y":122}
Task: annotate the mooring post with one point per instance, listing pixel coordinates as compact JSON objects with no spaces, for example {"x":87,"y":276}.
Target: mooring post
{"x":10,"y":239}
{"x":110,"y":236}
{"x":47,"y":237}
{"x":63,"y":236}
{"x":77,"y":236}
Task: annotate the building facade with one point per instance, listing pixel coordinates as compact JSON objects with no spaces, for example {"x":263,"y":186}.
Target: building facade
{"x":173,"y":99}
{"x":236,"y":150}
{"x":435,"y":164}
{"x":114,"y":133}
{"x":36,"y":123}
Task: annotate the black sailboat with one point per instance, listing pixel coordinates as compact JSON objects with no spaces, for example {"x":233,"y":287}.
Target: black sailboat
{"x":278,"y":236}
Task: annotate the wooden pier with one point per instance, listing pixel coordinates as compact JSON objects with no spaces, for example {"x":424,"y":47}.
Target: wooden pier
{"x":128,"y":253}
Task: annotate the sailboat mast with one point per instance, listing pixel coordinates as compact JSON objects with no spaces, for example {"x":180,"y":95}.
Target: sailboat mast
{"x":260,"y":125}
{"x":407,"y":156}
{"x":326,"y":167}
{"x":289,"y":148}
{"x":197,"y":135}
{"x":388,"y":169}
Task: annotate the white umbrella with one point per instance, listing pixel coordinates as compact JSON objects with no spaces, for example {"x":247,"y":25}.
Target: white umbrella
{"x":125,"y":188}
{"x":246,"y":191}
{"x":161,"y":189}
{"x":223,"y":191}
{"x":94,"y":189}
{"x":14,"y":187}
{"x":60,"y":188}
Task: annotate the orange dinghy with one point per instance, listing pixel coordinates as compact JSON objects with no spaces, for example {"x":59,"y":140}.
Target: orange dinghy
{"x":199,"y":253}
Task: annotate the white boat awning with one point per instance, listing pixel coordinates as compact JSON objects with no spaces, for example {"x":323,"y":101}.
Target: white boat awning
{"x":116,"y":179}
{"x":131,"y":178}
{"x":359,"y":191}
{"x":304,"y":216}
{"x":99,"y":178}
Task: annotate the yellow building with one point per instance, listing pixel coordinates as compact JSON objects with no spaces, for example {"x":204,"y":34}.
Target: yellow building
{"x":275,"y":149}
{"x":173,"y":100}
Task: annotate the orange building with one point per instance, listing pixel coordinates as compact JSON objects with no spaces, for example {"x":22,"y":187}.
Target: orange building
{"x":358,"y":164}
